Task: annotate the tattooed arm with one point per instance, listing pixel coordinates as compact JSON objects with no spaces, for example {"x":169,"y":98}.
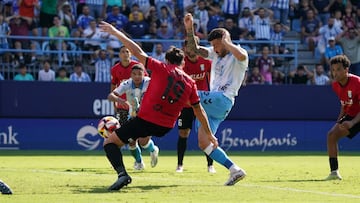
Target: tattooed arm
{"x":190,"y":37}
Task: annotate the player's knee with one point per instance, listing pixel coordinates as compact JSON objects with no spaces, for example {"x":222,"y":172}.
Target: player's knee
{"x":333,"y":136}
{"x":143,"y":141}
{"x":184,"y":133}
{"x":202,"y":145}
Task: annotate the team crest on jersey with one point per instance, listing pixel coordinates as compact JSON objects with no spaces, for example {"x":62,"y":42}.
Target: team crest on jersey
{"x":349,"y":94}
{"x":202,"y":67}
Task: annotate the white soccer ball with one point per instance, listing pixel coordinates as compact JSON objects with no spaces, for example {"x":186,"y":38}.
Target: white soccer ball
{"x":107,"y":125}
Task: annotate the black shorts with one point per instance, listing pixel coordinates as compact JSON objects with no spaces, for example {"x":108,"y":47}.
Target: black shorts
{"x":137,"y":127}
{"x":122,"y":115}
{"x":46,"y":20}
{"x":354,"y":130}
{"x":186,"y":119}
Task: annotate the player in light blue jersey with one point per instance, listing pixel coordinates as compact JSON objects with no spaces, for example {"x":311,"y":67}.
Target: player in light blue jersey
{"x":134,"y":88}
{"x":228,"y":68}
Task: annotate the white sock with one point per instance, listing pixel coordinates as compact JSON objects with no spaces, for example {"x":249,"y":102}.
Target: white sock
{"x":234,"y":168}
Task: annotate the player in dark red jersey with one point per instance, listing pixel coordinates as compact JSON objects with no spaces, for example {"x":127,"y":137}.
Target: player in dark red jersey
{"x":169,"y":91}
{"x":199,"y":69}
{"x":120,"y":72}
{"x":347,"y":88}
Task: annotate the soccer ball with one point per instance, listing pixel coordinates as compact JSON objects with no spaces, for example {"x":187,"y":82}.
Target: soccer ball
{"x":107,"y":125}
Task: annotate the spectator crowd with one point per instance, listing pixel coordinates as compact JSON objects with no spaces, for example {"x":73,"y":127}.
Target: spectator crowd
{"x":327,"y":27}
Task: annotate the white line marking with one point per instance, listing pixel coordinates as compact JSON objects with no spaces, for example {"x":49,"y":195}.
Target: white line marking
{"x":301,"y":191}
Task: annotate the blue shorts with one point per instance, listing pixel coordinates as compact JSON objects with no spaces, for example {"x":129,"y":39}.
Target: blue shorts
{"x":217,"y":106}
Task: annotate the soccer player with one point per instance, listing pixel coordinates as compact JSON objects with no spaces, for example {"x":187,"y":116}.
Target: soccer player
{"x":229,"y":64}
{"x":4,"y":188}
{"x":199,"y":69}
{"x":120,"y":72}
{"x":134,"y":89}
{"x":169,"y":91}
{"x":347,"y":88}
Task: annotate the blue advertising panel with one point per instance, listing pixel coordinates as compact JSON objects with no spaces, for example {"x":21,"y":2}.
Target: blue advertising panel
{"x":81,"y":134}
{"x":89,"y":100}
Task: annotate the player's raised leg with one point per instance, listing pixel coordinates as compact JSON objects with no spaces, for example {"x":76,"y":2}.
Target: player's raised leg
{"x":217,"y":111}
{"x":219,"y":155}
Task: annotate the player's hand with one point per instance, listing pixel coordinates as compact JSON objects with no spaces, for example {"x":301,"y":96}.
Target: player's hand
{"x":107,"y":27}
{"x":122,"y":104}
{"x":226,"y":39}
{"x":188,"y":21}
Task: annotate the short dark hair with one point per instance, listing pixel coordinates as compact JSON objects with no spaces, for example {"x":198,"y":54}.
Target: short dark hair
{"x":343,"y":59}
{"x":137,"y":66}
{"x":174,"y":56}
{"x":216,"y":33}
{"x":62,"y":69}
{"x":301,"y":67}
{"x":78,"y":64}
{"x":22,"y":65}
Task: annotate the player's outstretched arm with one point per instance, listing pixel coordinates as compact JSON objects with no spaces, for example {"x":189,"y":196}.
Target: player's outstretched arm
{"x":202,"y":117}
{"x":190,"y":37}
{"x":131,"y":45}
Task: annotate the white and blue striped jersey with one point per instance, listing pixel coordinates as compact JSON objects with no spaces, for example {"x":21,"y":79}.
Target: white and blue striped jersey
{"x":134,"y":94}
{"x":227,"y":73}
{"x":103,"y":70}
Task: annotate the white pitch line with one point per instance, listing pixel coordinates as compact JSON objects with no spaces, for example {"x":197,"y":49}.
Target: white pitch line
{"x":301,"y":191}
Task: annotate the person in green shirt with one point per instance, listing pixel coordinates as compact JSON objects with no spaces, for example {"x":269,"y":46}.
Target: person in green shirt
{"x":48,"y":10}
{"x":59,"y":30}
{"x":62,"y":75}
{"x":23,"y":75}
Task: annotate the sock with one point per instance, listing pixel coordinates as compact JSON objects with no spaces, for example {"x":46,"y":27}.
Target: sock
{"x":149,"y":147}
{"x":333,"y":163}
{"x":181,"y":148}
{"x":209,"y":160}
{"x":136,"y":153}
{"x":219,"y":156}
{"x":114,"y":156}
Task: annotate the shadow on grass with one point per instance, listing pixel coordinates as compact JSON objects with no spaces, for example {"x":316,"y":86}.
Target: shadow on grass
{"x":123,"y":190}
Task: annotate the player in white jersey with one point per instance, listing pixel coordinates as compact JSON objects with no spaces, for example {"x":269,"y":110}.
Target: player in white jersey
{"x":134,"y":88}
{"x":229,"y":65}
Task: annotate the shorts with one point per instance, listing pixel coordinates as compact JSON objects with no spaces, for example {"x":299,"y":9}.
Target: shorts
{"x":46,"y":20}
{"x":354,"y":130}
{"x":137,"y":127}
{"x":217,"y":106}
{"x":186,"y":119}
{"x":122,"y":115}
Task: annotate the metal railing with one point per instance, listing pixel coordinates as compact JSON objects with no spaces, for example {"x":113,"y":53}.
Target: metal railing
{"x":43,"y":50}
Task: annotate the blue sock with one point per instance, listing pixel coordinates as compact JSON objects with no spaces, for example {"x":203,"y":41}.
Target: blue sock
{"x":220,"y":156}
{"x":149,"y":147}
{"x":136,"y":153}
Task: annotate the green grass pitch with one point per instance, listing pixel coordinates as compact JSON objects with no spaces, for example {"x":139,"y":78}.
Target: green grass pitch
{"x":84,"y":176}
